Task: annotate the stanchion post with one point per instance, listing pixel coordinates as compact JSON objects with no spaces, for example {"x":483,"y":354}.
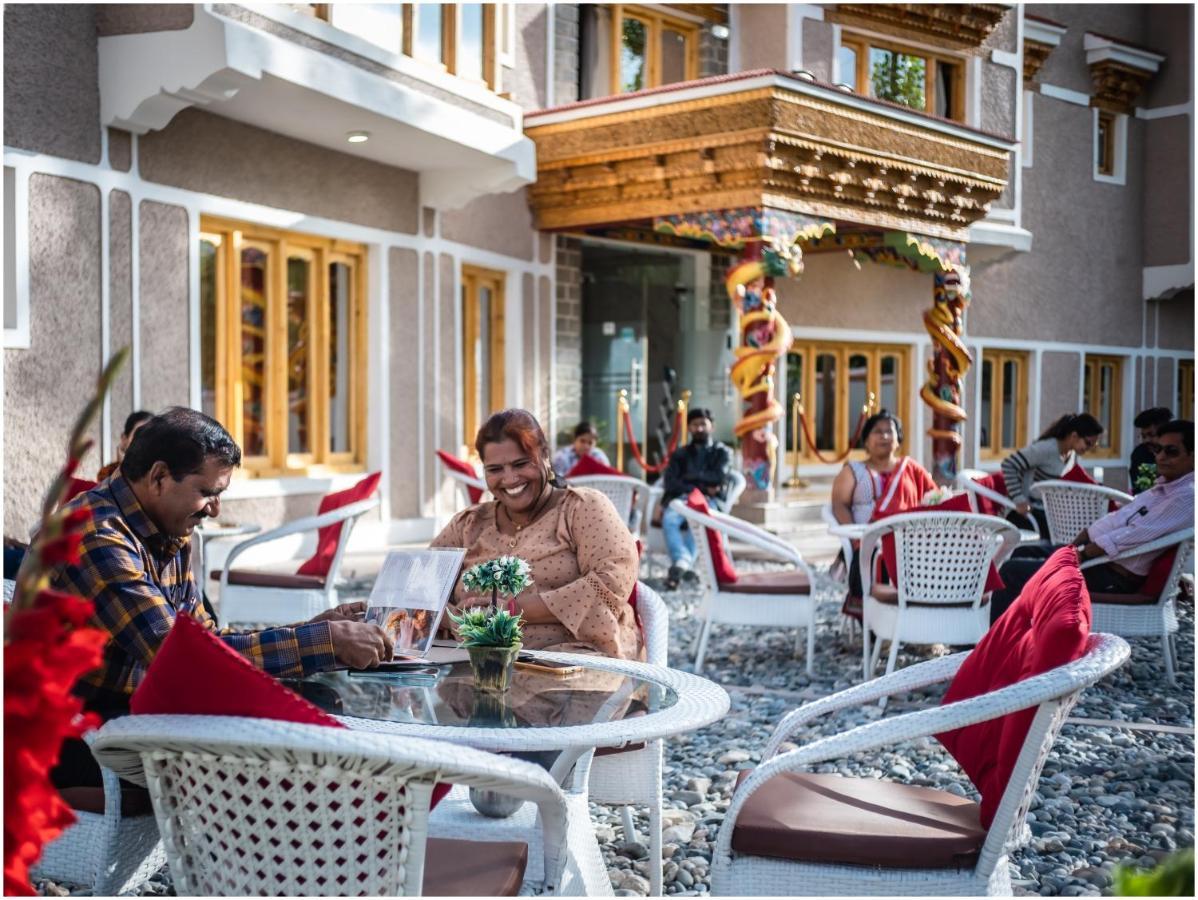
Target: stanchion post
{"x":796,"y":405}
{"x":684,"y":401}
{"x":871,"y":404}
{"x":621,"y":408}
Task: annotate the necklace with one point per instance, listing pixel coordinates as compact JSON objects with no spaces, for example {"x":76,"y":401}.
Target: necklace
{"x":535,"y":512}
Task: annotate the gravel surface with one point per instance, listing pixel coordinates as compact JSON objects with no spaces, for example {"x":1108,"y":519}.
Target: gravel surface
{"x":1108,"y":794}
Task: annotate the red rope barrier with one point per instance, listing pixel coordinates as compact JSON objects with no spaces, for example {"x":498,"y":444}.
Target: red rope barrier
{"x":814,"y":449}
{"x":636,"y":451}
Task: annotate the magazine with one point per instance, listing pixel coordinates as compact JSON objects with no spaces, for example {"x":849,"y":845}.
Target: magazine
{"x":411,"y":593}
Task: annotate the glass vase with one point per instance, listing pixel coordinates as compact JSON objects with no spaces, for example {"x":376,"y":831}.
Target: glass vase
{"x":493,"y":667}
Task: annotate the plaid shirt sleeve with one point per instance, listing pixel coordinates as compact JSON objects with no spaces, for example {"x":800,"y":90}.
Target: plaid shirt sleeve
{"x":138,"y":613}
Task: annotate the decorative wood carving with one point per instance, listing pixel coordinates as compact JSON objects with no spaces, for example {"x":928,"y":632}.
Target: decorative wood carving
{"x":1116,"y":86}
{"x":804,"y":149}
{"x":951,"y":25}
{"x":1034,"y":55}
{"x":1040,"y":37}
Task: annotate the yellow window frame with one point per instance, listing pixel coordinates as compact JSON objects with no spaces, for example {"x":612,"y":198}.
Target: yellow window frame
{"x":1104,"y":144}
{"x":230,"y":237}
{"x":845,"y":418}
{"x":998,"y":359}
{"x":655,"y":22}
{"x":1185,"y":389}
{"x":473,"y":279}
{"x":861,"y":45}
{"x":1110,"y":440}
{"x":450,"y":35}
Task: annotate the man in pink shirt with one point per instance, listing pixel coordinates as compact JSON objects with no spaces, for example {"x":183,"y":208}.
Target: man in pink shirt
{"x":1165,"y":508}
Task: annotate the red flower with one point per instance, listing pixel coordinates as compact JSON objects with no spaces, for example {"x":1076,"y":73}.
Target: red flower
{"x":63,"y":549}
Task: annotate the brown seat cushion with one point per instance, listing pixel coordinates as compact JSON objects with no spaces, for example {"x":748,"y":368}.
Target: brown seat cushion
{"x":789,"y":582}
{"x":135,"y":801}
{"x":888,"y":594}
{"x":627,"y":748}
{"x":1125,"y":599}
{"x":250,"y":578}
{"x":473,"y":868}
{"x":858,"y":821}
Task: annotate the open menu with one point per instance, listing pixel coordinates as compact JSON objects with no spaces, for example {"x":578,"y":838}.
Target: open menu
{"x":411,"y":593}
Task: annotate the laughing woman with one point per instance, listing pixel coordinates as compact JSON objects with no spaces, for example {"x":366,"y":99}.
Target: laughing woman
{"x":583,"y":558}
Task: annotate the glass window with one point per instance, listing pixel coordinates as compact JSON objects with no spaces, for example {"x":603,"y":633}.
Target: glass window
{"x":858,"y":386}
{"x":650,"y":49}
{"x":888,"y":384}
{"x":900,"y":77}
{"x":1185,"y":389}
{"x":794,"y":384}
{"x":1105,"y":144}
{"x":210,"y":274}
{"x":341,"y":280}
{"x":470,"y":61}
{"x":1102,"y":398}
{"x":825,"y":401}
{"x":483,"y":346}
{"x":428,"y":43}
{"x":946,"y":87}
{"x":632,"y":54}
{"x":987,"y":410}
{"x":846,"y":55}
{"x":1010,"y":394}
{"x":674,"y":52}
{"x":1002,"y":418}
{"x":254,"y":279}
{"x":379,"y":23}
{"x":299,"y":294}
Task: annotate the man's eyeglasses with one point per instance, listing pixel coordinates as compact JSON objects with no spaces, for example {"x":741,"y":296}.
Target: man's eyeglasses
{"x":1169,"y":451}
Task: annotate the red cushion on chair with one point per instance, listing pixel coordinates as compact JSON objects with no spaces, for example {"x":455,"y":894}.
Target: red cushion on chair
{"x":588,"y":465}
{"x":460,"y":465}
{"x":326,"y":542}
{"x":725,"y":572}
{"x":1048,"y":626}
{"x":1081,"y":476}
{"x":959,"y":503}
{"x":228,"y":685}
{"x":1154,"y":581}
{"x":77,"y":486}
{"x":997,"y":483}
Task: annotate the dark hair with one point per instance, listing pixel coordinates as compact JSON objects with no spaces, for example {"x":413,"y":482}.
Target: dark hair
{"x":1084,"y":424}
{"x":876,"y":419}
{"x":1154,"y":418}
{"x":521,"y":426}
{"x":183,"y":439}
{"x":584,"y":427}
{"x":1184,"y":427}
{"x":134,"y":419}
{"x":698,"y":412}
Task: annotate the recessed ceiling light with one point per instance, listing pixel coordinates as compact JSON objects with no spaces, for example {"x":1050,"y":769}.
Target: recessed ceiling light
{"x":358,"y":137}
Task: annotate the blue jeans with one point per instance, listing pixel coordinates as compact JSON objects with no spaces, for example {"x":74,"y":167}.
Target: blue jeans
{"x":679,"y":541}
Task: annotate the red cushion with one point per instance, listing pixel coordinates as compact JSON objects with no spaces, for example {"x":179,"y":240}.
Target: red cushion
{"x":1154,"y":581}
{"x":725,"y":572}
{"x":997,"y":483}
{"x":588,"y":465}
{"x":77,"y":486}
{"x":460,"y":465}
{"x":326,"y":540}
{"x":1081,"y":476}
{"x":1048,"y":626}
{"x":959,"y":503}
{"x":230,"y":685}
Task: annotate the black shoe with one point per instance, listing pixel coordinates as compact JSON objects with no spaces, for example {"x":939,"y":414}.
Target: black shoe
{"x":673,"y":578}
{"x":690,"y":576}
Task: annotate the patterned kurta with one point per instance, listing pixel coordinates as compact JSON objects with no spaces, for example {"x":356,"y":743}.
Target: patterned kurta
{"x":584,"y":566}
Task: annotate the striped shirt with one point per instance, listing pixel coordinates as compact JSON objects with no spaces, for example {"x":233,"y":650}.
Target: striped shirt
{"x":1039,"y":461}
{"x":1165,"y":508}
{"x":139,"y":580}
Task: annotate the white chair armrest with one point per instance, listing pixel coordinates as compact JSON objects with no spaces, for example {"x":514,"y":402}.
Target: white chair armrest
{"x":308,"y":523}
{"x":965,"y":483}
{"x":745,"y":533}
{"x":1160,"y":543}
{"x":1036,"y":490}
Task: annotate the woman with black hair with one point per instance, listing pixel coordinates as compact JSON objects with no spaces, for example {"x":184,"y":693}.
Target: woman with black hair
{"x":1045,"y":458}
{"x":883,"y":482}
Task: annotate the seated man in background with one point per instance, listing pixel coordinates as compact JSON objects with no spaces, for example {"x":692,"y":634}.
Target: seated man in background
{"x":133,"y":421}
{"x":1141,"y":471}
{"x":1166,"y":508}
{"x":135,"y":565}
{"x":702,"y":463}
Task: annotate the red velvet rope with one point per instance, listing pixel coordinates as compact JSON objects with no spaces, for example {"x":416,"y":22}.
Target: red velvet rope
{"x":636,"y":451}
{"x":811,"y":441}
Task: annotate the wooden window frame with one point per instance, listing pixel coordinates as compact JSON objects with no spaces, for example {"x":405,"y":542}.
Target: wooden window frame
{"x":450,"y":35}
{"x":655,"y":22}
{"x":230,"y":237}
{"x":1104,"y":144}
{"x":1092,"y":372}
{"x":1185,"y":389}
{"x":999,"y":358}
{"x":845,"y":418}
{"x":861,"y":44}
{"x":474,"y":277}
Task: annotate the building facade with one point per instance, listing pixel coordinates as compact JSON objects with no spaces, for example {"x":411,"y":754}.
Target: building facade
{"x":352,"y":231}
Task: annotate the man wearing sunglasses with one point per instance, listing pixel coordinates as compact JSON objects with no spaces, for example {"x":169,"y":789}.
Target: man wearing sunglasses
{"x":1165,"y":508}
{"x":1141,"y":472}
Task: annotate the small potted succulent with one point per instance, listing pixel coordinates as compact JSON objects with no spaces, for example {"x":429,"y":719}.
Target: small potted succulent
{"x":493,"y":636}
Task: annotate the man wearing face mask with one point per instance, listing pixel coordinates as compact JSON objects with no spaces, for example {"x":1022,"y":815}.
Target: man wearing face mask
{"x":705,"y":464}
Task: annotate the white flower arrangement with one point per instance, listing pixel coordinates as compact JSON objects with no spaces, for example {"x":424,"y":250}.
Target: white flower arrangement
{"x":506,"y":575}
{"x":936,"y":496}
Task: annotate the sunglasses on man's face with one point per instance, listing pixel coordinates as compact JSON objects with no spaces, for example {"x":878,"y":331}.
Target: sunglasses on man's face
{"x":1169,"y":451}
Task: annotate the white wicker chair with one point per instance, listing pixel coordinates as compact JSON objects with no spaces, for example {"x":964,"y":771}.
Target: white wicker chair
{"x":110,"y":853}
{"x":655,"y":542}
{"x":1052,"y":694}
{"x":464,"y":483}
{"x":967,"y":481}
{"x":1140,"y":615}
{"x":627,"y":494}
{"x":1071,"y":507}
{"x":740,"y":604}
{"x":633,"y":777}
{"x":943,"y":560}
{"x":270,"y":598}
{"x":255,"y":806}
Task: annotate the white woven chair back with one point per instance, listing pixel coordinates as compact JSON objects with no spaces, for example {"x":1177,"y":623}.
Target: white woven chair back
{"x":1071,"y":507}
{"x":655,"y":624}
{"x":619,"y":489}
{"x":944,"y":558}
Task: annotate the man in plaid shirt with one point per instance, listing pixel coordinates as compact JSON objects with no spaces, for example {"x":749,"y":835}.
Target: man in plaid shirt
{"x":135,"y":565}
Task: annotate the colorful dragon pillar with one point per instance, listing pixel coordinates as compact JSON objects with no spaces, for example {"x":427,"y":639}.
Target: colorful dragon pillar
{"x":768,"y":243}
{"x":946,"y":369}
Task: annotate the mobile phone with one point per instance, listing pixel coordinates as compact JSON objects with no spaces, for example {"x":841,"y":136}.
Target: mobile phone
{"x":546,"y":667}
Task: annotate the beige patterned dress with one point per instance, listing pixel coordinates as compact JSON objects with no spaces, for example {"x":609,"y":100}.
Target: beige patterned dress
{"x":584,"y":566}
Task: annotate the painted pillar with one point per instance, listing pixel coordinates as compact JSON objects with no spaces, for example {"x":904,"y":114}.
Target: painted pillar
{"x":946,"y":370}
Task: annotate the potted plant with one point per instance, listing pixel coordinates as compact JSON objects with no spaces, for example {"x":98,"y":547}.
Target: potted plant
{"x":493,"y":636}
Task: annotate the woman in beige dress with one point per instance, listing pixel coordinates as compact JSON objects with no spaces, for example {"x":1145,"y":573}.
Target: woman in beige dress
{"x":583,"y":558}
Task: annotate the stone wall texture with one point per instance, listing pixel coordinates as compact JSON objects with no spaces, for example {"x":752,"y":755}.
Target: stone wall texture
{"x":568,"y":352}
{"x":163,"y":310}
